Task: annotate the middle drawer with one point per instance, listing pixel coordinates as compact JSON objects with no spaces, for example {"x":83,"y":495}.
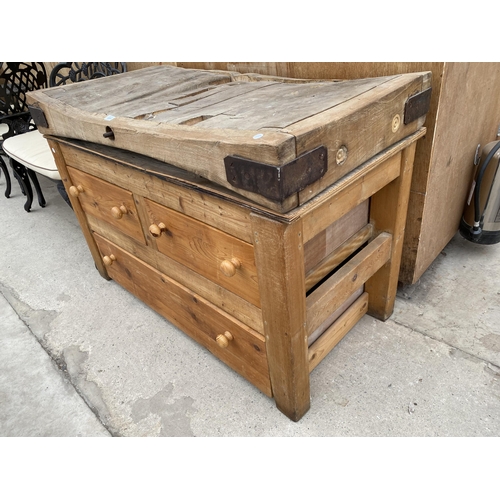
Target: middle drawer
{"x":217,"y":255}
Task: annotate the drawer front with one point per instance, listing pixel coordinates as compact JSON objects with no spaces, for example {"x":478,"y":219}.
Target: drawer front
{"x":241,"y":348}
{"x":210,"y":252}
{"x":107,"y":202}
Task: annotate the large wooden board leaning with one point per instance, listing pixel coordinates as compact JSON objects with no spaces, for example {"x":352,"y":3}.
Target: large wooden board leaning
{"x":196,"y":119}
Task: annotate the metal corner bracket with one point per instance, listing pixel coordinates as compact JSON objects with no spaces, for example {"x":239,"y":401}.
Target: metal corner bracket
{"x":277,"y":183}
{"x":38,"y":116}
{"x":417,"y":105}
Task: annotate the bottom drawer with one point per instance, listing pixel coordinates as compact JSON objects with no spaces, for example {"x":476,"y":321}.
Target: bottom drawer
{"x":234,"y":343}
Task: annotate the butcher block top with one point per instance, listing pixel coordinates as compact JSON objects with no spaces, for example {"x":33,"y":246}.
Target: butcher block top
{"x":275,"y":141}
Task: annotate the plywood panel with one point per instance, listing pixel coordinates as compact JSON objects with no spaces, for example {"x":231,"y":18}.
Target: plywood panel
{"x":469,"y":114}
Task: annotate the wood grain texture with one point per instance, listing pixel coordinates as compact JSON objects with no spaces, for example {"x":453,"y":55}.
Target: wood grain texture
{"x":219,"y":296}
{"x":469,"y":114}
{"x":337,"y":331}
{"x":176,"y":189}
{"x":194,"y":315}
{"x":326,"y":241}
{"x":193,"y":119}
{"x":336,"y":257}
{"x":203,"y":249}
{"x":279,"y":254}
{"x":349,"y":193}
{"x":77,"y":208}
{"x":331,"y":294}
{"x":99,"y":198}
{"x":388,"y":215}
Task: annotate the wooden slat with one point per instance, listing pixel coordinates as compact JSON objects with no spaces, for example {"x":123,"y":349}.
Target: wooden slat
{"x":342,"y":198}
{"x":325,"y":242}
{"x":338,"y":256}
{"x":330,"y":295}
{"x":313,"y":336}
{"x":337,"y":331}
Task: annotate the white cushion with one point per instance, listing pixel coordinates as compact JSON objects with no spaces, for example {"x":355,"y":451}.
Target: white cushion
{"x":32,"y":150}
{"x":4,"y":128}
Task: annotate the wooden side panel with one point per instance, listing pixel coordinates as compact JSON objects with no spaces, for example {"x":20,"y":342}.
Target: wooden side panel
{"x":469,"y":114}
{"x":342,"y":198}
{"x":329,"y":263}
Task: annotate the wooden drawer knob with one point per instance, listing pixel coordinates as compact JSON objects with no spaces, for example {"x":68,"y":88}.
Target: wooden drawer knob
{"x":108,"y":260}
{"x":157,"y":229}
{"x":228,"y":267}
{"x":75,"y":190}
{"x":118,"y":212}
{"x":224,"y":339}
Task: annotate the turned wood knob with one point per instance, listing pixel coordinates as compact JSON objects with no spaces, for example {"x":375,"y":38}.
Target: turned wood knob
{"x":224,"y":339}
{"x":118,"y":212}
{"x":75,"y":190}
{"x":108,"y":260}
{"x":157,"y":229}
{"x":228,"y":267}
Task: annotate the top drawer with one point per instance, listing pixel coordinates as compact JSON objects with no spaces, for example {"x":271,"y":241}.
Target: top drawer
{"x":217,"y":255}
{"x":107,"y":202}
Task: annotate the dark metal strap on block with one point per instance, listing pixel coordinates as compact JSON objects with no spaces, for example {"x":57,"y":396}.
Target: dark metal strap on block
{"x":417,"y":105}
{"x":38,"y":116}
{"x":277,"y":183}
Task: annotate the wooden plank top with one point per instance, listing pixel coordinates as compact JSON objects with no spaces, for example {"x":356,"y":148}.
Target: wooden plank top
{"x":195,"y":119}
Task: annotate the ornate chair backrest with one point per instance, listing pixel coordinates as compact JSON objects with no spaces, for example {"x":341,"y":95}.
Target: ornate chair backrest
{"x":72,"y":72}
{"x":16,"y":80}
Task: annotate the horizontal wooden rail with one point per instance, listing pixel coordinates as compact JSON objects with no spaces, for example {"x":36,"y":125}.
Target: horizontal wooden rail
{"x":333,"y":335}
{"x":329,"y":263}
{"x":340,"y":286}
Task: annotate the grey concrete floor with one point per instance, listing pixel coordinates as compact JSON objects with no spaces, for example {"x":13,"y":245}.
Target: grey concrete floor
{"x":80,"y":356}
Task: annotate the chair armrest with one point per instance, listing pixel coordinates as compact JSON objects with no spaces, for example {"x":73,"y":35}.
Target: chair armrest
{"x":18,"y":123}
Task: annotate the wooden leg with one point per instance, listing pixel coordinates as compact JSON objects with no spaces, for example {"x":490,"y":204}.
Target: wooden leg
{"x":280,"y":265}
{"x":80,"y":214}
{"x":388,"y":213}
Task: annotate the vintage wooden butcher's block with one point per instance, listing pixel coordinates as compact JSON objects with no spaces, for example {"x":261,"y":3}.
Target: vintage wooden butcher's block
{"x":276,"y":141}
{"x":268,"y":284}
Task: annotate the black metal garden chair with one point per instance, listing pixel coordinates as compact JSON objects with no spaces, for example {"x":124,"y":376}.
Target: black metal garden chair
{"x":31,"y":152}
{"x":16,"y":80}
